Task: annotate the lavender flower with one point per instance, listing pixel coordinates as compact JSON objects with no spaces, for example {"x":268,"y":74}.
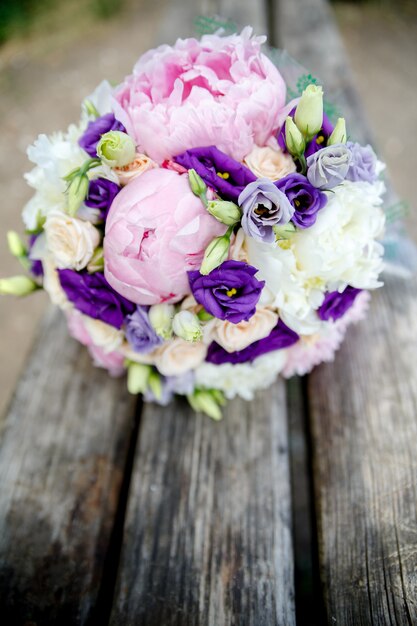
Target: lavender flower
{"x":328,"y":167}
{"x":171,"y":385}
{"x":101,"y":193}
{"x":363,"y":164}
{"x":229,"y":292}
{"x":89,"y":140}
{"x":306,"y":199}
{"x":280,"y":337}
{"x":140,"y":333}
{"x":336,"y":304}
{"x":263,"y":206}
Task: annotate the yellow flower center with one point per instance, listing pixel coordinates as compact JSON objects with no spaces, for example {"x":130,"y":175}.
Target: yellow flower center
{"x":231,"y":292}
{"x":297,"y":202}
{"x":320,"y":139}
{"x":224,"y":175}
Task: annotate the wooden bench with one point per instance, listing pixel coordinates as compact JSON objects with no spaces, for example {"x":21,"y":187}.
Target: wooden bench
{"x":300,"y":504}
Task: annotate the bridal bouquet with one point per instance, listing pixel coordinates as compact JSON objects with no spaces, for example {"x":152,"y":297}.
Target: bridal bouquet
{"x":199,"y":228}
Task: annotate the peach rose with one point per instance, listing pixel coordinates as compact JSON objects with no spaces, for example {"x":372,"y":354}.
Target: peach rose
{"x":234,"y":337}
{"x":178,"y":356}
{"x":269,"y":163}
{"x":141,"y":164}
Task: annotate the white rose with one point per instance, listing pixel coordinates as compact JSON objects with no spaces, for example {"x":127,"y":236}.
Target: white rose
{"x":233,"y":337}
{"x":103,"y":335}
{"x":70,"y":241}
{"x":178,"y":356}
{"x":52,"y":285}
{"x":268,"y":163}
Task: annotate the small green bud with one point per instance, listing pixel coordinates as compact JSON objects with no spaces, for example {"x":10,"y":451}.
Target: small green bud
{"x":137,"y":377}
{"x":204,"y":400}
{"x":216,"y":252}
{"x":186,"y":325}
{"x":155,"y":384}
{"x":284,"y":232}
{"x":197,"y":184}
{"x":226,"y":212}
{"x":204,"y":316}
{"x":160,"y":317}
{"x":77,"y":191}
{"x":339,"y":133}
{"x":16,"y":246}
{"x":116,"y":149}
{"x":293,"y":138}
{"x":309,"y":112}
{"x":96,"y":263}
{"x":17,"y":286}
{"x":90,"y":109}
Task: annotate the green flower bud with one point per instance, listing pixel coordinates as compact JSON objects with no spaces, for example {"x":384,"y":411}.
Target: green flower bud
{"x":16,"y":246}
{"x":205,"y":401}
{"x":225,"y":212}
{"x":17,"y":286}
{"x":160,"y":317}
{"x":96,"y":263}
{"x":216,"y":252}
{"x":186,"y":325}
{"x":155,"y":384}
{"x":309,"y":112}
{"x":90,"y":109}
{"x":339,"y":133}
{"x":293,"y":138}
{"x":137,"y":377}
{"x":284,"y":232}
{"x":116,"y":149}
{"x":204,"y":316}
{"x":77,"y":191}
{"x":197,"y":184}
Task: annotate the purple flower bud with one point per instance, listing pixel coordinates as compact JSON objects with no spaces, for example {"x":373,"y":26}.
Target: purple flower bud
{"x":89,"y":140}
{"x":263,"y":206}
{"x":336,"y":304}
{"x":328,"y":167}
{"x":306,"y":199}
{"x":363,"y":164}
{"x":101,"y":193}
{"x":140,"y":333}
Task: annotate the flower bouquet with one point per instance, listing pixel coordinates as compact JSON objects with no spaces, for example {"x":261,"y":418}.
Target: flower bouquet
{"x":201,"y":229}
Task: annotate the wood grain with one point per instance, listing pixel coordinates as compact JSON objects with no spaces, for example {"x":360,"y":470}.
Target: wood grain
{"x":62,"y":459}
{"x":363,"y":407}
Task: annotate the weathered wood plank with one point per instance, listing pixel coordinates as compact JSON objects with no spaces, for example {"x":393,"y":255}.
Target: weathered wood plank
{"x":62,"y":457}
{"x":208,"y":526}
{"x":363,"y":408}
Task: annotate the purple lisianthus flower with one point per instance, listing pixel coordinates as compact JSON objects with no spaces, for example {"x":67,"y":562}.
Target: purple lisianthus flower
{"x":101,"y":193}
{"x":280,"y":337}
{"x":140,"y":333}
{"x":92,"y":295}
{"x":306,"y":199}
{"x":219,"y":171}
{"x":317,"y":142}
{"x":363,"y":164}
{"x":89,"y":140}
{"x":328,"y":167}
{"x":229,"y":292}
{"x":263,"y":206}
{"x":336,"y":304}
{"x":171,"y":385}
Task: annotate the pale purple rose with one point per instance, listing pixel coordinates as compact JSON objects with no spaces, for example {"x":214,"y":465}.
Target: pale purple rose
{"x":336,"y":304}
{"x":280,"y":337}
{"x":229,"y":292}
{"x":140,"y":333}
{"x":101,"y":193}
{"x":95,"y":129}
{"x":328,"y":167}
{"x":363,"y":164}
{"x":264,"y":206}
{"x":306,"y":199}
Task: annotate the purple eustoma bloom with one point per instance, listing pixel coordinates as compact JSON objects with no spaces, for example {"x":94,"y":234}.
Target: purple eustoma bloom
{"x":363,"y":164}
{"x":92,"y":295}
{"x":328,"y":167}
{"x":280,"y":337}
{"x":219,"y":171}
{"x":306,"y":199}
{"x":263,"y":206}
{"x":336,"y":304}
{"x":229,"y":292}
{"x":101,"y":193}
{"x":95,"y":129}
{"x":140,"y":333}
{"x":317,"y":143}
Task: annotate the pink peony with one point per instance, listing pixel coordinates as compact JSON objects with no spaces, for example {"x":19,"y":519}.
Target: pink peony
{"x":218,"y":91}
{"x":156,"y":231}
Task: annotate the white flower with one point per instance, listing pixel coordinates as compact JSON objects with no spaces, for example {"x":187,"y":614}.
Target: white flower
{"x":178,"y":356}
{"x":70,"y":241}
{"x":52,"y":285}
{"x":268,"y":163}
{"x":233,"y":337}
{"x":340,"y":247}
{"x":242,"y":379}
{"x":103,"y":335}
{"x":100,"y":98}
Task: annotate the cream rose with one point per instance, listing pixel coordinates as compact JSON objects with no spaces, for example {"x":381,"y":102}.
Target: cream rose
{"x":178,"y":356}
{"x":237,"y":251}
{"x":106,"y":337}
{"x":233,"y":337}
{"x":70,"y":241}
{"x":141,"y":164}
{"x":52,"y":285}
{"x":269,"y":163}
